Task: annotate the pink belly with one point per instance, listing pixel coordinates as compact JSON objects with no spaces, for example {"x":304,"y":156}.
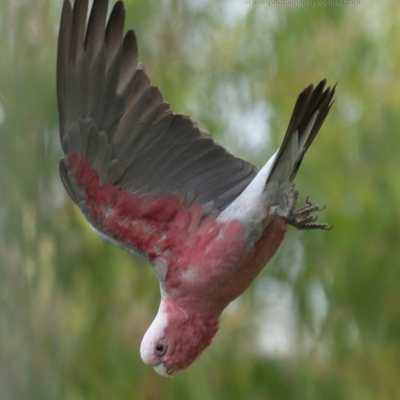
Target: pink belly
{"x":255,"y":259}
{"x":213,"y":274}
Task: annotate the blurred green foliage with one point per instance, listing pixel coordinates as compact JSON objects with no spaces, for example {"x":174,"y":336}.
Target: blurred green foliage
{"x":323,"y":320}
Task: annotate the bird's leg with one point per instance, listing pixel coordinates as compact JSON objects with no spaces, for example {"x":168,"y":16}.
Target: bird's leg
{"x":301,"y":218}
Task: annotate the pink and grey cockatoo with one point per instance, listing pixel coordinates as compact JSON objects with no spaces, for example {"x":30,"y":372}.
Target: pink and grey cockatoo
{"x":158,"y":186}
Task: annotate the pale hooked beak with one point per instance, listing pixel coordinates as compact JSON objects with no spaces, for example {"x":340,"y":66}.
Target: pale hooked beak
{"x":162,"y":370}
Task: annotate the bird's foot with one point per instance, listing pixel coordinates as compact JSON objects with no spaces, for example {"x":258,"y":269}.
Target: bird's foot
{"x":301,"y":218}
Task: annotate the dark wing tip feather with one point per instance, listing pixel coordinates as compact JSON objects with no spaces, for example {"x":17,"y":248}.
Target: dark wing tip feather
{"x":130,"y":55}
{"x":64,"y":43}
{"x":115,"y":29}
{"x":79,"y":13}
{"x":95,"y":29}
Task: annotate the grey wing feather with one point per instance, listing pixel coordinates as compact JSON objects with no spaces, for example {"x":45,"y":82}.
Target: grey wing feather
{"x":110,"y":113}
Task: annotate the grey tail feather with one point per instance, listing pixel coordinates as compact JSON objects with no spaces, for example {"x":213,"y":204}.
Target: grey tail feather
{"x":312,"y":103}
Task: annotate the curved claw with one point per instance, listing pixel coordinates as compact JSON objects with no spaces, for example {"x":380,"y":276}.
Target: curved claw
{"x":301,"y":218}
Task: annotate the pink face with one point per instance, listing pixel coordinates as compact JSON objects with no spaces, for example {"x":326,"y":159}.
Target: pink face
{"x":175,"y":340}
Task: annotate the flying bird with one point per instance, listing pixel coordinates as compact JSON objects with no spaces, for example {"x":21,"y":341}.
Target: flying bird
{"x":155,"y":184}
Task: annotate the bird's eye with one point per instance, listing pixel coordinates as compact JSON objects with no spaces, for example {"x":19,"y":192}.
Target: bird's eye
{"x":160,"y":349}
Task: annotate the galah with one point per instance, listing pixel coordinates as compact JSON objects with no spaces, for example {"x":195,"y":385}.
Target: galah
{"x":158,"y":186}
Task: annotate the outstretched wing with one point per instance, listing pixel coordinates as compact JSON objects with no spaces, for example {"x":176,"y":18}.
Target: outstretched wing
{"x":136,"y":169}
